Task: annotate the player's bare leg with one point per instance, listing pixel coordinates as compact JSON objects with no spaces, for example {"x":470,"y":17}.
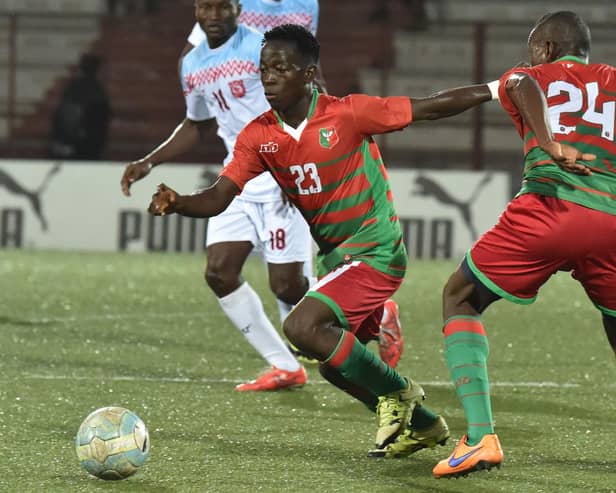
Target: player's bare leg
{"x":314,"y":328}
{"x":244,"y":308}
{"x":289,"y":282}
{"x":609,"y":323}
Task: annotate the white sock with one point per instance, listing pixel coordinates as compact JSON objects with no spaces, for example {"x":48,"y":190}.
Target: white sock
{"x":244,"y":308}
{"x":284,"y":309}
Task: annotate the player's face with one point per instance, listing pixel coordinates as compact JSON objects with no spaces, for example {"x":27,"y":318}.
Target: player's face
{"x":285,"y":76}
{"x":217,"y":18}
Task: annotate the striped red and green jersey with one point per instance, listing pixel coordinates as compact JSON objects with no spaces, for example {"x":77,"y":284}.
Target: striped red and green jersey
{"x":582,"y":102}
{"x":331,"y":169}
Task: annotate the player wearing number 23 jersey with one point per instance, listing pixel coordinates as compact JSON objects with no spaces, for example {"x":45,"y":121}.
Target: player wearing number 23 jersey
{"x":320,"y":150}
{"x":332,"y":170}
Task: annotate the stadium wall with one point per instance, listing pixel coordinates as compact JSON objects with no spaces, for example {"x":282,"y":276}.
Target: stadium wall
{"x":50,"y":205}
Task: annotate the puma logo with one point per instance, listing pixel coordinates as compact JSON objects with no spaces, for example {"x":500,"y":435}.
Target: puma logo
{"x":427,"y":187}
{"x":34,"y":197}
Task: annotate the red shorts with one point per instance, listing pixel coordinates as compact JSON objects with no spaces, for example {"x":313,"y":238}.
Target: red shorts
{"x":537,"y":236}
{"x":356,"y":293}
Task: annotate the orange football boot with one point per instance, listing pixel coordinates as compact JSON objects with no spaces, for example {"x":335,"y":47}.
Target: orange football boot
{"x":275,"y":379}
{"x":466,"y":459}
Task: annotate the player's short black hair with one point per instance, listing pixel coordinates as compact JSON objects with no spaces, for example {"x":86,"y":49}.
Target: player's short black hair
{"x":305,"y":42}
{"x":567,"y":29}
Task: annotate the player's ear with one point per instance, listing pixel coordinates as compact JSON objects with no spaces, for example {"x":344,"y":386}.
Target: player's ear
{"x":551,"y":51}
{"x":310,"y":73}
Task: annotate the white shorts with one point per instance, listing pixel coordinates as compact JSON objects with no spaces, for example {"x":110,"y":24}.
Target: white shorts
{"x":278,"y":231}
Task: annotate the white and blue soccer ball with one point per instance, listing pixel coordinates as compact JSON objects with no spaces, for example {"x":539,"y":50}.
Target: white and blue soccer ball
{"x":112,"y":443}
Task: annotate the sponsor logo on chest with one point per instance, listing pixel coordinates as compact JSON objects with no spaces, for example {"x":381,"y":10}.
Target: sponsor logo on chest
{"x":268,"y":148}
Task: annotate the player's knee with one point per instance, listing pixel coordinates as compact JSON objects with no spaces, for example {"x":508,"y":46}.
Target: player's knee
{"x":290,"y":330}
{"x":221,"y":282}
{"x":289,"y":290}
{"x":296,"y":330}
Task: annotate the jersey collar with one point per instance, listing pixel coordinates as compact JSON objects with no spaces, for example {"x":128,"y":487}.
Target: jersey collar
{"x":313,"y":105}
{"x":571,"y":58}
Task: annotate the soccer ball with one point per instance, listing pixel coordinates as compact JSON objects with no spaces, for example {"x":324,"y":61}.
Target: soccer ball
{"x":112,"y":443}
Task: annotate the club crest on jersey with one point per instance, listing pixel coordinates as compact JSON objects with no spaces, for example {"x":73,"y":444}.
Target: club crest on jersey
{"x":328,"y":137}
{"x":238,"y":89}
{"x":270,"y":147}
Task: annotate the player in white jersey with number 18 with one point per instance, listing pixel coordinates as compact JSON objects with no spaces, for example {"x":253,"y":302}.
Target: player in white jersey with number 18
{"x":221,"y":81}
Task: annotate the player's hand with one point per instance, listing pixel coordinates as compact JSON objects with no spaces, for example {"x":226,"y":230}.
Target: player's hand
{"x":567,"y":157}
{"x":134,"y":172}
{"x":163,"y":201}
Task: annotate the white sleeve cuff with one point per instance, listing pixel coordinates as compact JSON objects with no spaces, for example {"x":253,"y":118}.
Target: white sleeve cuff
{"x":493,"y":86}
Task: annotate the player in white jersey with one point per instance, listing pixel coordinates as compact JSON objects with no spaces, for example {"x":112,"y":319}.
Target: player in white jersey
{"x":264,"y":15}
{"x":221,"y":81}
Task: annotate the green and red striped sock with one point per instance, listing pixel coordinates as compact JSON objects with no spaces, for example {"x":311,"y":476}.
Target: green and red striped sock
{"x":466,"y":352}
{"x":359,"y":365}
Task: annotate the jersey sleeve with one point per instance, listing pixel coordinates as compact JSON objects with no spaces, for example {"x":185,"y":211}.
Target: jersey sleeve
{"x":196,"y":105}
{"x":505,"y":100}
{"x":375,"y":115}
{"x":196,"y":36}
{"x":246,"y":163}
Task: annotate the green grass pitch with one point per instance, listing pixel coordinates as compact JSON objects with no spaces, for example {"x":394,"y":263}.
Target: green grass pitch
{"x":82,"y":331}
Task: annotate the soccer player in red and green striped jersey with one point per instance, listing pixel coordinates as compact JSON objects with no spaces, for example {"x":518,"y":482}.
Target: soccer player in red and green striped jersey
{"x":320,"y":150}
{"x":563,"y":218}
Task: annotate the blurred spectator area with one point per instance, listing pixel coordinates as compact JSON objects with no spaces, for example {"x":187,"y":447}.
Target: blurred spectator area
{"x":42,"y":40}
{"x":465,"y":41}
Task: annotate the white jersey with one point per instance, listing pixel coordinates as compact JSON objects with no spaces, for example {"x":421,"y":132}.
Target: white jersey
{"x":264,"y":15}
{"x":224,"y":83}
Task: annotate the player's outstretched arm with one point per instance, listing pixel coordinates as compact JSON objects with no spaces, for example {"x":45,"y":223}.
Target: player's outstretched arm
{"x":530,"y":101}
{"x":185,"y":136}
{"x":205,"y":203}
{"x":450,"y":102}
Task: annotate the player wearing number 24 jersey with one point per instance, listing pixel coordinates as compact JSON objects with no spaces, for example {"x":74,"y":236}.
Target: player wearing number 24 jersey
{"x":582,"y":102}
{"x":563,"y":219}
{"x":320,"y":150}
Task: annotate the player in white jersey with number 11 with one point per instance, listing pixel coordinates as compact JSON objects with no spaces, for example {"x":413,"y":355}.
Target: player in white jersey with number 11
{"x":263,"y":15}
{"x":220,"y":79}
